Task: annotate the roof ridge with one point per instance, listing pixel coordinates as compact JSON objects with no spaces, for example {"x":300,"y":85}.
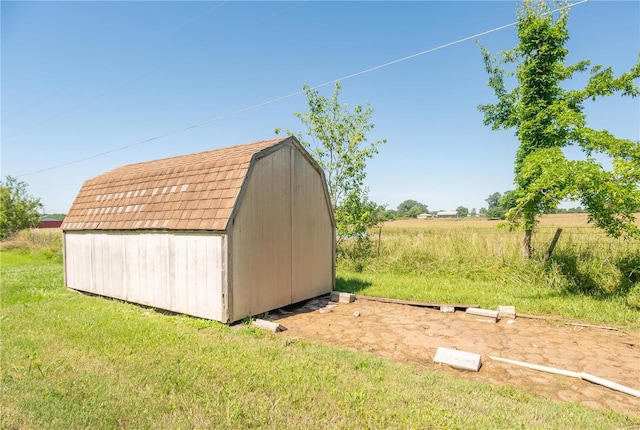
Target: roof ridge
{"x":184,"y":159}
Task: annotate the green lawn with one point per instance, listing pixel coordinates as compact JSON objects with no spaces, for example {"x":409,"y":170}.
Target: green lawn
{"x":76,"y":361}
{"x":538,"y":298}
{"x":590,"y":276}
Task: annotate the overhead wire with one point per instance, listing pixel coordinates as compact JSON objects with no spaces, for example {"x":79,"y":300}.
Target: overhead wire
{"x":95,"y":71}
{"x":144,"y":75}
{"x":278,"y":99}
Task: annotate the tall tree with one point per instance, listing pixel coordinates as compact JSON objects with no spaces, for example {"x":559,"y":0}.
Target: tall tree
{"x":547,"y":118}
{"x":18,"y":209}
{"x":463,"y":212}
{"x":411,"y":208}
{"x":493,"y":200}
{"x":494,"y":209}
{"x":339,"y":145}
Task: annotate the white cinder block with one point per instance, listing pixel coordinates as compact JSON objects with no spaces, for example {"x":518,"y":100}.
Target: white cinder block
{"x":458,"y":359}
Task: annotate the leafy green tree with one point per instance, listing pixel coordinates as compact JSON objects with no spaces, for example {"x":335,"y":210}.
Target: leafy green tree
{"x":411,"y":208}
{"x":462,"y":211}
{"x":339,"y":145}
{"x":494,"y":210}
{"x":390,"y":214}
{"x":482,"y":211}
{"x":414,"y":212}
{"x":547,"y":118}
{"x":509,"y":200}
{"x":495,"y":213}
{"x":18,"y":209}
{"x":493,"y":201}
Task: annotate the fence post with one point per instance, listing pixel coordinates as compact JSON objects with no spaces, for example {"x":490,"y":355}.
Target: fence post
{"x":547,"y":256}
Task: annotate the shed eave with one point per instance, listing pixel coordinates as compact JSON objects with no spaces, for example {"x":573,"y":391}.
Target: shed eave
{"x":146,"y":230}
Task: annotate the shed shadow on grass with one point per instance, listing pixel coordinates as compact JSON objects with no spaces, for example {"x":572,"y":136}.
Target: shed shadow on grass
{"x":581,"y":282}
{"x":351,"y":285}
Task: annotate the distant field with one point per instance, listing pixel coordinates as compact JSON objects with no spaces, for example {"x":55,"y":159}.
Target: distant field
{"x":552,"y":221}
{"x":591,"y":276}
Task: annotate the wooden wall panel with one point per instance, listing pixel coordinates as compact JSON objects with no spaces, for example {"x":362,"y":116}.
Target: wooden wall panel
{"x":197,"y":266}
{"x":173,"y":271}
{"x":261,"y":238}
{"x":78,"y":261}
{"x":312,"y":233}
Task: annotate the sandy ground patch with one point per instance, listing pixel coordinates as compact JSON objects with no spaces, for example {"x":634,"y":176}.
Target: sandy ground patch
{"x":411,"y":335}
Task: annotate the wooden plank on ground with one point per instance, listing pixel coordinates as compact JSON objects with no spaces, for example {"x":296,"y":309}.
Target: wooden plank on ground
{"x":458,"y":359}
{"x":412,"y":303}
{"x":566,"y":322}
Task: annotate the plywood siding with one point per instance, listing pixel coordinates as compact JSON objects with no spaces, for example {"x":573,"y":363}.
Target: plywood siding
{"x":312,"y":232}
{"x":78,"y":261}
{"x":175,"y":271}
{"x":261,"y":238}
{"x":281,"y":241}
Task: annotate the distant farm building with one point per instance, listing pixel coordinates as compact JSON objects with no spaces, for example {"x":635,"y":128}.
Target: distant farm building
{"x":50,"y":222}
{"x":424,"y":216}
{"x":221,"y":234}
{"x":447,"y":214}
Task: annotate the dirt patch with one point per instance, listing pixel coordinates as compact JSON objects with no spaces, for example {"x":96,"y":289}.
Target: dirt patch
{"x":411,"y":335}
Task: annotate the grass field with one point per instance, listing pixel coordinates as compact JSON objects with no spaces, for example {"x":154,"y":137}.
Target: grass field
{"x":590,"y":276}
{"x":76,"y":361}
{"x":70,"y":360}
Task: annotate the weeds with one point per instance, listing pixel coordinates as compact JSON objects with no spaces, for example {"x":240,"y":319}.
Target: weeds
{"x":589,"y":276}
{"x":44,"y":242}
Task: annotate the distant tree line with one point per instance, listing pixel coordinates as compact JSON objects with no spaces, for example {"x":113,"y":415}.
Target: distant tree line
{"x":57,"y":216}
{"x":498,"y":204}
{"x":18,"y":208}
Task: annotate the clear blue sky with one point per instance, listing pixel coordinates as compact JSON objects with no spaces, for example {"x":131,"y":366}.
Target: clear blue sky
{"x":83,"y":78}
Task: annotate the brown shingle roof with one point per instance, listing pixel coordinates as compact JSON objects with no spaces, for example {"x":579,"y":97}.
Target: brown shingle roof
{"x":189,"y":192}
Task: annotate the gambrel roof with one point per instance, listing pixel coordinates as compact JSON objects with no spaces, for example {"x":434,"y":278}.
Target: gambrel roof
{"x":189,"y":192}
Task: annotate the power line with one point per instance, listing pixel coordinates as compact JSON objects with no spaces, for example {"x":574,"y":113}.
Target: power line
{"x":94,"y":72}
{"x":200,"y":15}
{"x":141,"y":76}
{"x":259,"y":105}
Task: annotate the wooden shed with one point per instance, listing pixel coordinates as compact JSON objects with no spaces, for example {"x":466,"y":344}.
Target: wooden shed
{"x":221,"y":234}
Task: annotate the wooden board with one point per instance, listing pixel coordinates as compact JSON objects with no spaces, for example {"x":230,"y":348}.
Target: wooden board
{"x":412,"y":303}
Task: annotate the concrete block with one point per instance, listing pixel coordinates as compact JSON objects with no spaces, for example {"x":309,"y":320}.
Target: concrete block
{"x":447,"y":309}
{"x":482,"y":315}
{"x":267,"y":325}
{"x":337,"y":296}
{"x":507,"y":312}
{"x":458,"y":359}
